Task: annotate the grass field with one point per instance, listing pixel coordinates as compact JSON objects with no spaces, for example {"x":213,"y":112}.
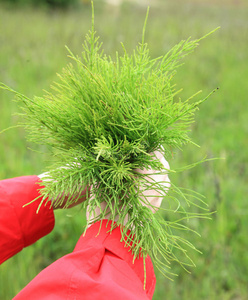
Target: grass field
{"x":32,"y":51}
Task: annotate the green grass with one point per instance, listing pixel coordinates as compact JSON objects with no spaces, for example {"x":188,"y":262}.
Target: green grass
{"x":32,"y":51}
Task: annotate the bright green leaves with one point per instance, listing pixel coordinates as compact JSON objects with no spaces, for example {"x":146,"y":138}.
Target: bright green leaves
{"x":102,"y":119}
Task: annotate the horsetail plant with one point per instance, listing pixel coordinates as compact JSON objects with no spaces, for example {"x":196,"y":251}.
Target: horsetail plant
{"x":102,"y":120}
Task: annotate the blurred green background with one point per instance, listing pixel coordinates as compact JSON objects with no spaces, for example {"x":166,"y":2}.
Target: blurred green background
{"x":32,"y":39}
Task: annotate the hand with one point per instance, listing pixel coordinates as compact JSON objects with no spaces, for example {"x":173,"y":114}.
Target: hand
{"x":59,"y":203}
{"x":80,"y":199}
{"x":151,"y":197}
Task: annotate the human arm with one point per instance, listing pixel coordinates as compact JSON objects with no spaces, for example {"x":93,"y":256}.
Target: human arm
{"x":20,"y":224}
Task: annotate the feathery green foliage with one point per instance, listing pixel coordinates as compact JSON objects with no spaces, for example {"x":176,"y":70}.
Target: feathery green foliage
{"x":102,"y":121}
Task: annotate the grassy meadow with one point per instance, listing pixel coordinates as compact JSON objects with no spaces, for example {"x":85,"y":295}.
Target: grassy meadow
{"x":32,"y":52}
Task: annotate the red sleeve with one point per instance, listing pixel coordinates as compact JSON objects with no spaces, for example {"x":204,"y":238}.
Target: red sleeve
{"x":21,"y":226}
{"x":100,"y":268}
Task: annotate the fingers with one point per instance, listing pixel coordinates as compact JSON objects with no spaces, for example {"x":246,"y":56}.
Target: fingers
{"x":64,"y":199}
{"x":160,"y":184}
{"x":161,"y":158}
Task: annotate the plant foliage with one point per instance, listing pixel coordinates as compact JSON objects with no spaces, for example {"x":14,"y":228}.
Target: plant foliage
{"x":102,"y":120}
